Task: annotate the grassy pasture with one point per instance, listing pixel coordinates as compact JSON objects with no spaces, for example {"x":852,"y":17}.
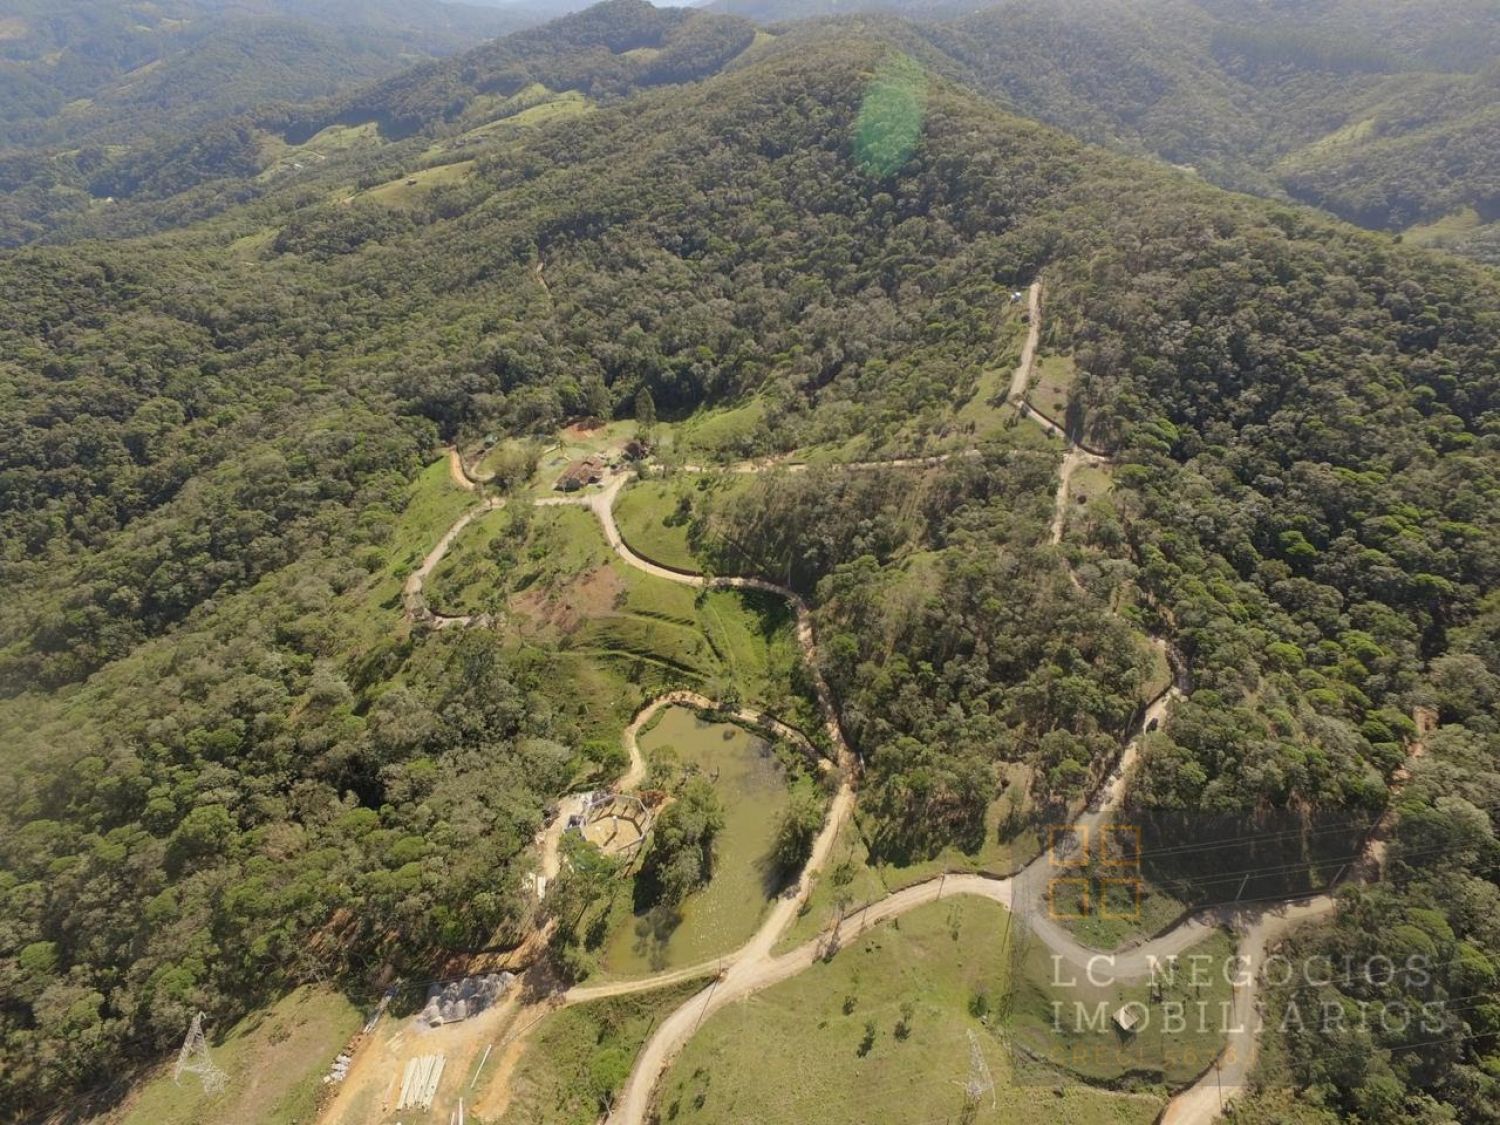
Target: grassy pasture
{"x":880,"y":1033}
{"x":409,"y":189}
{"x":1053,"y":380}
{"x":1071,"y":1036}
{"x":582,"y":1054}
{"x":553,"y":580}
{"x":717,"y":433}
{"x":654,"y":515}
{"x":275,"y":1060}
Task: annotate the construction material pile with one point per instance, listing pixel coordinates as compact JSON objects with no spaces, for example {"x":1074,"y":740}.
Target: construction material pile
{"x":459,"y":999}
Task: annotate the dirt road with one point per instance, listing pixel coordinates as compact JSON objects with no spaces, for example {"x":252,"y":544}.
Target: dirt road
{"x":413,"y":599}
{"x":753,"y":968}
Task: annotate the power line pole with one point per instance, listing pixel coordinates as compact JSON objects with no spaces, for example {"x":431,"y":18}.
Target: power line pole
{"x":980,"y":1080}
{"x":194,"y":1059}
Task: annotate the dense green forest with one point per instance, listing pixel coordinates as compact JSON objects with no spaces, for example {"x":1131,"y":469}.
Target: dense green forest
{"x":88,"y":84}
{"x":1382,"y":113}
{"x":231,"y":766}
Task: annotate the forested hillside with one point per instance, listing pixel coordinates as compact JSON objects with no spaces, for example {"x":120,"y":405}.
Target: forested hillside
{"x":74,"y":69}
{"x":232,"y":765}
{"x":86,"y":82}
{"x":198,"y":152}
{"x":1380,"y":113}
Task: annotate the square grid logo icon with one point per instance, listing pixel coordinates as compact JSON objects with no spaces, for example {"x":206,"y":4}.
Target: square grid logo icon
{"x":1103,"y":872}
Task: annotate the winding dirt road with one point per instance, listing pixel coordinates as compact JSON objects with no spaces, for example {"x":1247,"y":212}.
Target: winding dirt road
{"x":1074,"y":459}
{"x":1020,"y":378}
{"x":413,"y":598}
{"x":753,"y":968}
{"x":785,"y":465}
{"x":458,"y":472}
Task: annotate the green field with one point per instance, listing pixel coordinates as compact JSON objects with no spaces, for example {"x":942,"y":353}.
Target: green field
{"x":852,"y":880}
{"x":275,"y":1060}
{"x":570,"y":103}
{"x":1458,"y":230}
{"x":654,"y":516}
{"x":986,"y":411}
{"x":474,"y":576}
{"x":278,"y":156}
{"x":548,"y":574}
{"x":1073,"y":1037}
{"x":754,"y":789}
{"x":491,"y":116}
{"x":583,"y":1054}
{"x":397,"y":546}
{"x":724,"y":433}
{"x":1117,"y":912}
{"x":433,"y":504}
{"x":1089,"y":483}
{"x":914,"y":989}
{"x":1346,"y":136}
{"x":507,"y":457}
{"x":514,"y":550}
{"x":412,"y":187}
{"x":1052,"y":382}
{"x":722,"y":643}
{"x":1088,"y":501}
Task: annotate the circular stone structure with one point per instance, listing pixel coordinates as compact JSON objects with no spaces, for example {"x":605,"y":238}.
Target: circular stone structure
{"x":616,"y":823}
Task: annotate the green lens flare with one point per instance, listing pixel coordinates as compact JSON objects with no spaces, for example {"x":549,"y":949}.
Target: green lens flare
{"x":890,"y":117}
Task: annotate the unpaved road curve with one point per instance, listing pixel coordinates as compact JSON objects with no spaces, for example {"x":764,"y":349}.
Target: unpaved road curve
{"x":1203,"y":1101}
{"x":753,"y":968}
{"x":1074,"y":459}
{"x":458,"y":473}
{"x":1020,"y":378}
{"x":766,"y":464}
{"x":602,"y":503}
{"x":413,"y":600}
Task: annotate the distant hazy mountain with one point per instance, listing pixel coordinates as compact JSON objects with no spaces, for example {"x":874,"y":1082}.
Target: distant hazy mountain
{"x":71,"y":69}
{"x":1384,"y":113}
{"x":84,"y":83}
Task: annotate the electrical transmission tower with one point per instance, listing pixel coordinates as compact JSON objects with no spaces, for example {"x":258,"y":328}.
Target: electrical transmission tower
{"x":980,"y":1081}
{"x":194,"y":1059}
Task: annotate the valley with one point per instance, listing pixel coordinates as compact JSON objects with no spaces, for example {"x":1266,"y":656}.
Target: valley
{"x":771,"y":567}
{"x":740,"y":972}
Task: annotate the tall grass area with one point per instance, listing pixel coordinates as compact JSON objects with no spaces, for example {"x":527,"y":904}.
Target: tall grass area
{"x":880,"y":1033}
{"x":724,"y":433}
{"x":580,"y":1057}
{"x":275,"y":1060}
{"x":1055,"y":1014}
{"x":1053,"y":383}
{"x":656,"y":517}
{"x":512,"y":550}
